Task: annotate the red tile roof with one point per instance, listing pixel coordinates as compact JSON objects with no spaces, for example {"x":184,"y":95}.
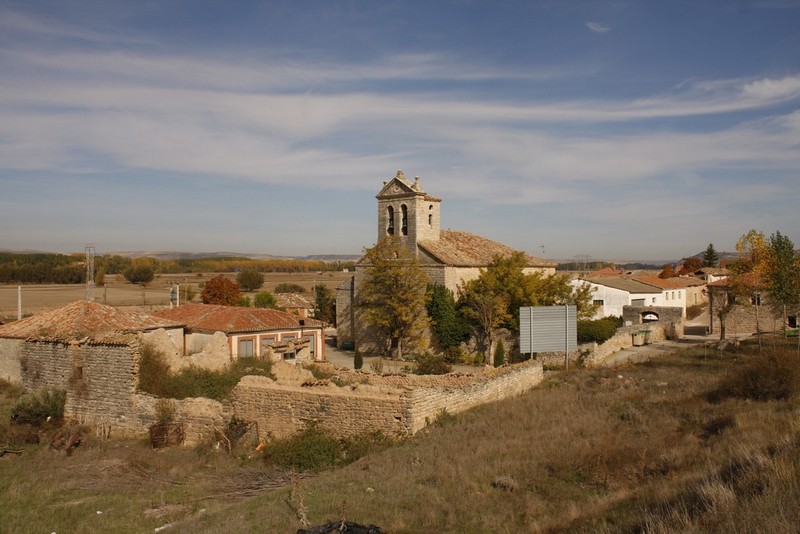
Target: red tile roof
{"x":233,"y":319}
{"x":294,"y":300}
{"x":463,"y":249}
{"x":82,"y":319}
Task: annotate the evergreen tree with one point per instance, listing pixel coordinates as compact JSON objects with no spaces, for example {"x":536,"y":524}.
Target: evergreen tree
{"x":710,"y":258}
{"x":324,"y":304}
{"x":449,"y":326}
{"x":499,"y":354}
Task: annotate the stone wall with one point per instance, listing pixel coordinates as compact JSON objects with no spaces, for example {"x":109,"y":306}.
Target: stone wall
{"x":10,"y":368}
{"x":399,"y":405}
{"x":101,"y":378}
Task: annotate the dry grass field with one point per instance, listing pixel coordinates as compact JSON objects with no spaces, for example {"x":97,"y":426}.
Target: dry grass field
{"x":118,"y":292}
{"x":696,"y":441}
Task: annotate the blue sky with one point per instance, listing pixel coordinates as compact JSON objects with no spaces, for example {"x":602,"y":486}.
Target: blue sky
{"x":614,"y":129}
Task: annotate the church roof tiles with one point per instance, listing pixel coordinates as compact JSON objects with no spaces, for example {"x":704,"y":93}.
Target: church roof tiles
{"x":463,"y":249}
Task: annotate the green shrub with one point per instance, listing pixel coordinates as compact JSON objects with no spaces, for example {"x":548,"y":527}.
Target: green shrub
{"x":598,"y":330}
{"x":358,"y":361}
{"x":286,"y":287}
{"x":453,"y":354}
{"x":155,"y":378}
{"x":432,"y":364}
{"x":36,"y":408}
{"x":773,"y":377}
{"x":499,"y":354}
{"x":315,"y":449}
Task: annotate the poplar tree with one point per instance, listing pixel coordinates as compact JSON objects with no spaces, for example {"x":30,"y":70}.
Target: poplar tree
{"x":392,"y":295}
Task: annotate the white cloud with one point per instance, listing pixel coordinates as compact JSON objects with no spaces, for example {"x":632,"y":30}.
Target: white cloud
{"x":597,"y":27}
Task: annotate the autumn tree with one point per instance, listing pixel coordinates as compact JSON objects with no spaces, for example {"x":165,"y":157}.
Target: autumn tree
{"x":667,"y":271}
{"x":140,"y":271}
{"x":710,"y":257}
{"x":324,"y":304}
{"x":690,"y":265}
{"x":495,"y":297}
{"x":746,"y":283}
{"x":392,"y":295}
{"x":220,"y":290}
{"x":250,"y":280}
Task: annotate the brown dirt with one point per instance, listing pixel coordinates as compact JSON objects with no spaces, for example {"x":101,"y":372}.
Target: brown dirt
{"x":118,"y":292}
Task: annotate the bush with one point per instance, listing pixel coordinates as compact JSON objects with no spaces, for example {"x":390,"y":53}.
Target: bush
{"x":36,"y":408}
{"x":139,"y":274}
{"x":598,"y":330}
{"x":155,"y":378}
{"x":289,"y":288}
{"x":358,"y":361}
{"x":315,"y":449}
{"x":431,"y":364}
{"x":250,"y":280}
{"x":774,"y":377}
{"x":265,"y":299}
{"x":499,"y":354}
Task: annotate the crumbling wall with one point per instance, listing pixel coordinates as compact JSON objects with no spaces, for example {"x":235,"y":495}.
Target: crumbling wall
{"x":422,"y":405}
{"x":10,"y":368}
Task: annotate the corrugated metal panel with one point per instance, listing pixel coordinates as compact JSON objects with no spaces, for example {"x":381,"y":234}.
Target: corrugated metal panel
{"x":548,"y":329}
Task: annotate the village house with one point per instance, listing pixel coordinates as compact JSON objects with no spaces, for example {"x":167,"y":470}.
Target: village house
{"x":295,"y":303}
{"x":741,"y":314}
{"x":448,"y":257}
{"x":247,"y":332}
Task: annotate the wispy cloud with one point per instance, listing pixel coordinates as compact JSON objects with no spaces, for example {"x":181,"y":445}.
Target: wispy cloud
{"x":597,"y":27}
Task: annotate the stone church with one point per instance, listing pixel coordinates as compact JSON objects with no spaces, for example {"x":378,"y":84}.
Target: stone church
{"x":448,"y":257}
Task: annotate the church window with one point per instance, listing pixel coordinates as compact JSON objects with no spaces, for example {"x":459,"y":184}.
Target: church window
{"x":390,"y":227}
{"x":430,"y":220}
{"x":404,"y":221}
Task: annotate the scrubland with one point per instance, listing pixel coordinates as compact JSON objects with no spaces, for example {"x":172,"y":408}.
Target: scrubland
{"x":696,"y":441}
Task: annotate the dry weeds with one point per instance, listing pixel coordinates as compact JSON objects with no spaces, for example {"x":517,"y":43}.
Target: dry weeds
{"x":635,"y":449}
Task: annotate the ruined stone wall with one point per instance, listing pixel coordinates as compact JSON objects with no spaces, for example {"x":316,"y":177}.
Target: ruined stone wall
{"x":423,"y":404}
{"x":741,"y":319}
{"x":281,"y":410}
{"x":10,"y":368}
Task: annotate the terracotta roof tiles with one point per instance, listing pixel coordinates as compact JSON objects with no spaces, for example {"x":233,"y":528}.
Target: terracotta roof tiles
{"x":82,"y":319}
{"x":463,"y":249}
{"x":233,"y":319}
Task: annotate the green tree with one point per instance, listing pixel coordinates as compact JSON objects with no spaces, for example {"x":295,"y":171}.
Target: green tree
{"x":783,"y":274}
{"x":220,"y":290}
{"x":710,"y":258}
{"x":500,"y":354}
{"x":448,"y":325}
{"x":250,"y":280}
{"x":392,"y":295}
{"x":324,"y":304}
{"x":265,"y":299}
{"x":487,"y":309}
{"x":289,"y":288}
{"x":140,"y":274}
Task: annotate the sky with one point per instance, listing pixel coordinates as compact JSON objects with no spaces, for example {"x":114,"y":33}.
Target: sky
{"x":618,"y":130}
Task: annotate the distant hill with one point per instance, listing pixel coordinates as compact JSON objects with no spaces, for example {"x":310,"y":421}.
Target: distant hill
{"x":173,"y":255}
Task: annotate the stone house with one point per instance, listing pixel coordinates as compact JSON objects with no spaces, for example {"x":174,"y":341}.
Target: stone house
{"x":240,"y":332}
{"x":745,"y":315}
{"x":448,"y":257}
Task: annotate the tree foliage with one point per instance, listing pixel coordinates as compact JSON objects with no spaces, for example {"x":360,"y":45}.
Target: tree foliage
{"x":782,"y":273}
{"x":265,"y":299}
{"x":494,"y":298}
{"x":139,"y":273}
{"x":667,"y":271}
{"x":690,"y":265}
{"x":324,"y":304}
{"x":449,"y":326}
{"x":289,"y":288}
{"x":250,"y":280}
{"x":220,"y":290}
{"x":710,"y":257}
{"x":392,"y":295}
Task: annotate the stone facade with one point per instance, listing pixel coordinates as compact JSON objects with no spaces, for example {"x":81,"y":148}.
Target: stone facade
{"x":744,"y":317}
{"x":448,"y":257}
